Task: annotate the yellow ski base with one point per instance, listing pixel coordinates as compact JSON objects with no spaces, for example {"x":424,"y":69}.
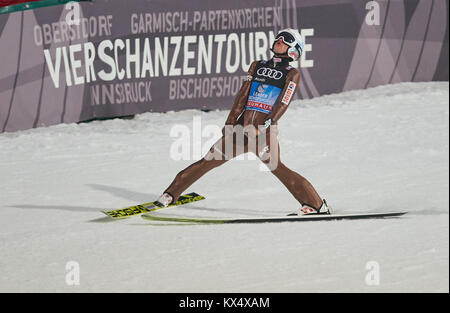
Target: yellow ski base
{"x":150,"y":206}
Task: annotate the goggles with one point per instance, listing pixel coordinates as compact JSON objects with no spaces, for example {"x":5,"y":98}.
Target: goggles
{"x":287,"y":38}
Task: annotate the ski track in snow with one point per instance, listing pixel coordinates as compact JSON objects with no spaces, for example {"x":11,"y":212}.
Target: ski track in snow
{"x":376,"y":150}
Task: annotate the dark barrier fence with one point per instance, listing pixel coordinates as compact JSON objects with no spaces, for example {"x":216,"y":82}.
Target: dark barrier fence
{"x":84,"y":60}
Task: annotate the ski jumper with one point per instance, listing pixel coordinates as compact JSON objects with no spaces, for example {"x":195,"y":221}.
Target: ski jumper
{"x":263,"y":98}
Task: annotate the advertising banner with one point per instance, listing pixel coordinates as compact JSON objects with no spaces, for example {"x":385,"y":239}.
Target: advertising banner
{"x":8,"y":6}
{"x":108,"y":58}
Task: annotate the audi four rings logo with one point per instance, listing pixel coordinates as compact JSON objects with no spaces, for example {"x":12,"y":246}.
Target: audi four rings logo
{"x":270,"y":73}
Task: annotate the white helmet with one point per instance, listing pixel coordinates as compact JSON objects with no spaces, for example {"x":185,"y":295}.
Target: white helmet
{"x":293,"y":39}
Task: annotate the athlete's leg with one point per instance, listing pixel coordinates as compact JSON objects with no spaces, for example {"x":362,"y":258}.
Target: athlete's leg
{"x":298,"y":186}
{"x":191,"y":174}
{"x":226,"y":148}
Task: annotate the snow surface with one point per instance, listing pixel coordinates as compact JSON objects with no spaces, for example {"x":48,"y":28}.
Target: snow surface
{"x":376,"y":150}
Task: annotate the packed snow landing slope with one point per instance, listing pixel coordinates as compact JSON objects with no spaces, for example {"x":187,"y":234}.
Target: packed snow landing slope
{"x":377,"y":150}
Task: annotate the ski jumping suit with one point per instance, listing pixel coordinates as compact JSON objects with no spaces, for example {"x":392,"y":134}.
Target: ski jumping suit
{"x":263,"y":97}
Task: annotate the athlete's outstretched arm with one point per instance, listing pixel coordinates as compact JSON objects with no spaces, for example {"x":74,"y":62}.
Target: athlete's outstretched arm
{"x":287,"y":94}
{"x":241,"y":98}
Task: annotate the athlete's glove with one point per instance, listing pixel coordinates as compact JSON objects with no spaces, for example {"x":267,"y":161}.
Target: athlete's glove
{"x":267,"y":123}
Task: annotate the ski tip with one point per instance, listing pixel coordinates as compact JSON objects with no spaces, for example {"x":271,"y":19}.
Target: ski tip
{"x":194,"y":194}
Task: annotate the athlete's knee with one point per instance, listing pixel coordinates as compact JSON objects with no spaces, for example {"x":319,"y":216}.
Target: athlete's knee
{"x":211,"y":163}
{"x":273,"y":165}
{"x":214,"y":153}
{"x":270,"y":159}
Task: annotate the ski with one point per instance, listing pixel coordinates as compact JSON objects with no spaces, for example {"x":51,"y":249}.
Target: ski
{"x":150,"y":206}
{"x":318,"y":217}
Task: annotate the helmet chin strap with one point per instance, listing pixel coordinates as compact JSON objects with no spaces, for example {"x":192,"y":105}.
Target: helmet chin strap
{"x":284,"y":55}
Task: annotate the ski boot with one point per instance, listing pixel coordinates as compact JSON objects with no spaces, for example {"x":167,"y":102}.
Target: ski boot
{"x":164,"y":200}
{"x":310,"y":210}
